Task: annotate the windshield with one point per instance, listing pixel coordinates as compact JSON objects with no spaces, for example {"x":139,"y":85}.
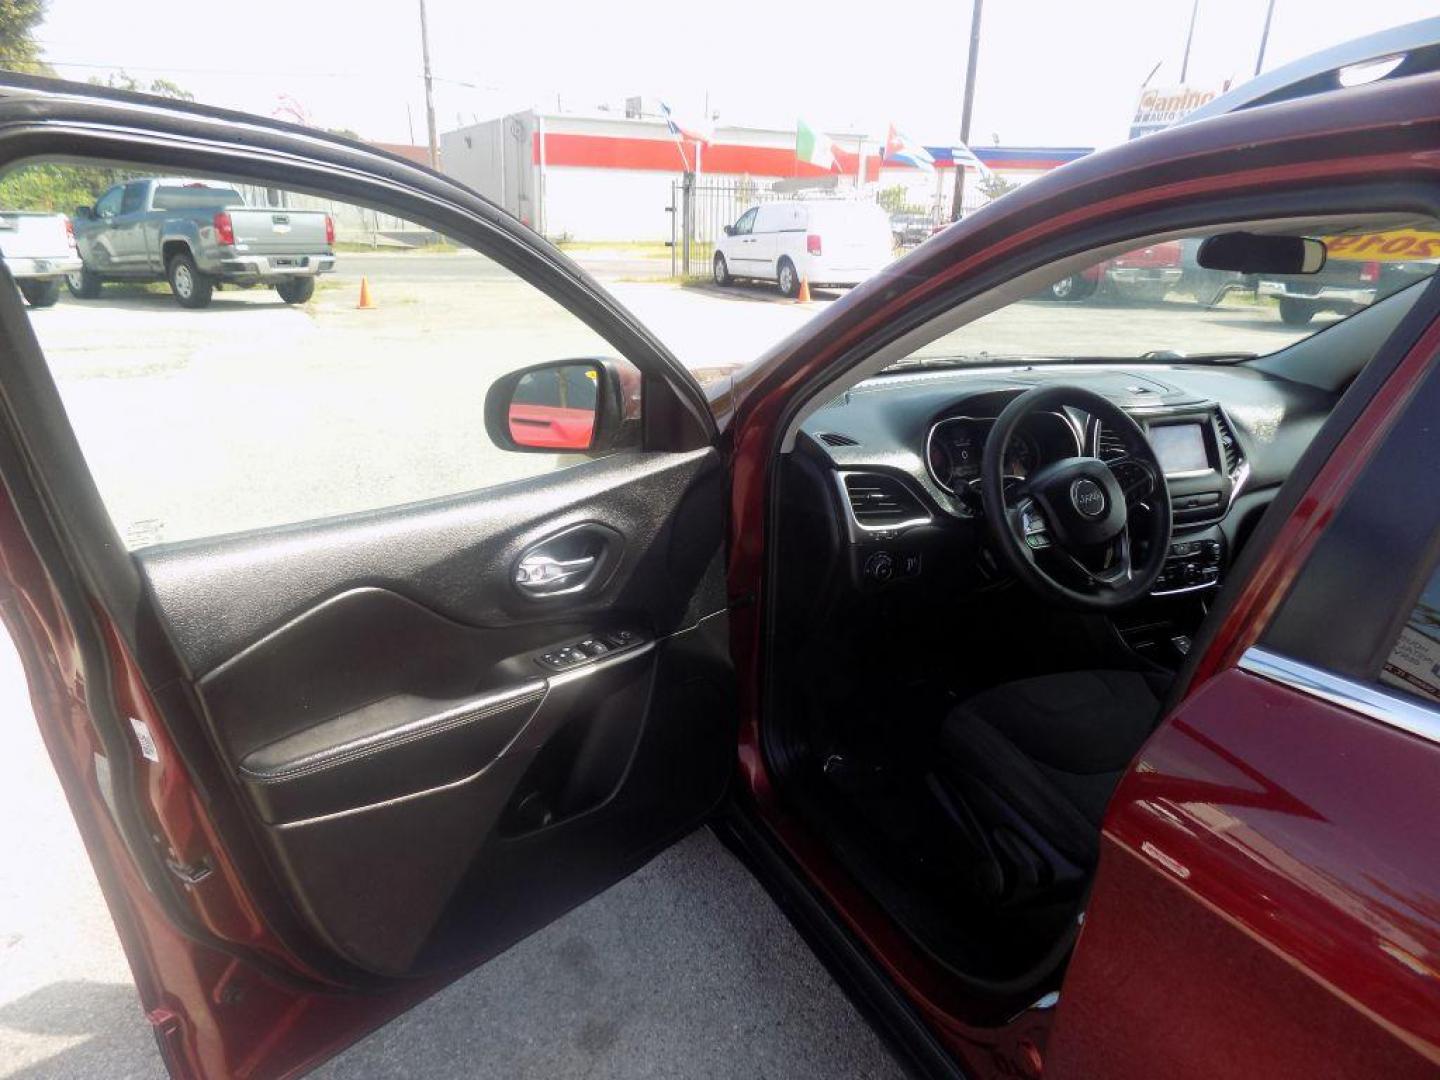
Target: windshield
{"x":1155,"y":304}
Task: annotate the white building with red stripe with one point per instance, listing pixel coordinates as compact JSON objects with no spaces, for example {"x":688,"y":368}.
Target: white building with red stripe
{"x":608,"y":177}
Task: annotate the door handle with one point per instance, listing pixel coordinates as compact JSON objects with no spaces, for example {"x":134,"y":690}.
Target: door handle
{"x":567,"y":563}
{"x":540,"y":575}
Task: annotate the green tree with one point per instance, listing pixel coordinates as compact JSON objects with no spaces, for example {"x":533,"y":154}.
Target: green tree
{"x":18,"y":48}
{"x":994,"y":185}
{"x":896,"y":200}
{"x":123,"y":80}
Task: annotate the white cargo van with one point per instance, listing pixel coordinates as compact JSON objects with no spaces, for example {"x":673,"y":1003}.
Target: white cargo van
{"x":827,"y":243}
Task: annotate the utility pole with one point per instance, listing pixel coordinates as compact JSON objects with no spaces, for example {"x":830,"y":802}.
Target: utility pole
{"x":967,"y":106}
{"x":1189,"y":37}
{"x":429,"y":88}
{"x":1264,"y":36}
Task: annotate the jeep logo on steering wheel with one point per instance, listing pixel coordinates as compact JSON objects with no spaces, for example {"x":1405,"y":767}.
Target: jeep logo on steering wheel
{"x":1087,"y":498}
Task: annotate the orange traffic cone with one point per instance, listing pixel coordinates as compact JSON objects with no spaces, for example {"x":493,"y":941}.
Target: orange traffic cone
{"x":803,"y":296}
{"x":366,"y":301}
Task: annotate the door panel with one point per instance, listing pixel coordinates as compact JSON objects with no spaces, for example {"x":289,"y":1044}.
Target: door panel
{"x":323,"y":767}
{"x":1268,"y":901}
{"x":376,"y":690}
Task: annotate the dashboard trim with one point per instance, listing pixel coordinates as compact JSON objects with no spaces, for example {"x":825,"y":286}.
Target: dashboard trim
{"x":888,"y":530}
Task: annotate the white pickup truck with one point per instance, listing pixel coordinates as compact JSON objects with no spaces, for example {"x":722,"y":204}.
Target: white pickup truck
{"x":39,"y":251}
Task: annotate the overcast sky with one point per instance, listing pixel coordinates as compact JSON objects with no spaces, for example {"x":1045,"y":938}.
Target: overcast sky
{"x":1051,"y":72}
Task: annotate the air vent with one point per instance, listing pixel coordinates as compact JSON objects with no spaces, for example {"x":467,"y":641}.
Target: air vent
{"x":1229,"y":445}
{"x":881,"y":500}
{"x":834,"y":438}
{"x":1109,"y":446}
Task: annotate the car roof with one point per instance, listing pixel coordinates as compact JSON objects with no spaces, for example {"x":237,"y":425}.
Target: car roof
{"x":1416,"y":47}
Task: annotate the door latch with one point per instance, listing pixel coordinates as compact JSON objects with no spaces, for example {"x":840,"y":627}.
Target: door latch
{"x":543,"y":575}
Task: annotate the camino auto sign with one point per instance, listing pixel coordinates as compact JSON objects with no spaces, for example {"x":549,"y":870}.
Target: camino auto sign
{"x":1161,"y":106}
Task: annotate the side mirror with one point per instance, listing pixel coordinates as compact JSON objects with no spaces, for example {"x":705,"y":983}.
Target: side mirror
{"x":589,"y":406}
{"x":729,"y":230}
{"x":1253,"y":253}
{"x":84,"y":213}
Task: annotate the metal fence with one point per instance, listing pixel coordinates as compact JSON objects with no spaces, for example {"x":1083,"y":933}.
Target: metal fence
{"x":700,"y":210}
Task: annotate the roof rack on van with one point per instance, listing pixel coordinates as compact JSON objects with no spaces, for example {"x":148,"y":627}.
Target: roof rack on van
{"x":1412,"y":49}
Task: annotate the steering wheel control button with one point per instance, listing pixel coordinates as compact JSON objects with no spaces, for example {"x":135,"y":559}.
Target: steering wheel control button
{"x":880,"y":567}
{"x":1088,"y":498}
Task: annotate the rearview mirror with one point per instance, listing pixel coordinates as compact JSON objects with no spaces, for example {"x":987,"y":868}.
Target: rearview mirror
{"x":1252,"y":253}
{"x":586,"y":406}
{"x":84,"y":213}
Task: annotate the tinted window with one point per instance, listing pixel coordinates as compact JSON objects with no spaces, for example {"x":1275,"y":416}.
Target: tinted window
{"x":133,"y":199}
{"x":1413,"y":661}
{"x":746,"y":222}
{"x":195,"y":197}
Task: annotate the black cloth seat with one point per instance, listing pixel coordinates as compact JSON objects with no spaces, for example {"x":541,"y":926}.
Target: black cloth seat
{"x":1035,"y":762}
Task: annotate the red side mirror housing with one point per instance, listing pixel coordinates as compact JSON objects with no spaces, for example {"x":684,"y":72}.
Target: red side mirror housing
{"x":582,"y":406}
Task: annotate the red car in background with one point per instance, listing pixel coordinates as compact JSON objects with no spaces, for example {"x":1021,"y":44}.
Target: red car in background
{"x":1084,"y":715}
{"x":1144,"y":275}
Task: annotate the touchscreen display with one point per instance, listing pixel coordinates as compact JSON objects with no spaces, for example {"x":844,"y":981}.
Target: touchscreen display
{"x":1180,"y":448}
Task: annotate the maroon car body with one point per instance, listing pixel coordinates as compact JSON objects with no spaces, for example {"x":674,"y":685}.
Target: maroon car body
{"x":1268,"y":901}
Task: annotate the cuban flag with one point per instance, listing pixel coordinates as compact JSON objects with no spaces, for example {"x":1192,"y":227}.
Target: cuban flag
{"x":693,"y":132}
{"x":902,"y":150}
{"x":964,"y":157}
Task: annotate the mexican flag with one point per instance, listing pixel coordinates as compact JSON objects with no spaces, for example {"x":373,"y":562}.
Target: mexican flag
{"x":812,"y":146}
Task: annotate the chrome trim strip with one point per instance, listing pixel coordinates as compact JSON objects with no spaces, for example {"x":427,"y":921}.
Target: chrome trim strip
{"x":1405,"y":714}
{"x":855,"y":523}
{"x":1185,"y":589}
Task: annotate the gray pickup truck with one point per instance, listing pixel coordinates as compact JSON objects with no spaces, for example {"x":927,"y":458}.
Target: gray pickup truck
{"x":196,"y":234}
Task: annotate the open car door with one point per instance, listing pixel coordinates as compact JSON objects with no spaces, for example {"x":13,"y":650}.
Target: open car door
{"x":1265,"y":899}
{"x":325,"y":765}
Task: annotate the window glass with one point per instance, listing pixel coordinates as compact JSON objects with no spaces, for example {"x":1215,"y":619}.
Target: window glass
{"x":319,"y":378}
{"x":1413,"y":663}
{"x":109,"y":203}
{"x":746,"y":222}
{"x":134,"y":198}
{"x":1156,"y":304}
{"x":193,"y":196}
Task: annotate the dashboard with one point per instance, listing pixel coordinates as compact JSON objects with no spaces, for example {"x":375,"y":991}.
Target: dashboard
{"x":905,"y":449}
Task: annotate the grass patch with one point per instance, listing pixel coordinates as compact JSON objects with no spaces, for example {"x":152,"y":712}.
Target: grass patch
{"x":355,"y":247}
{"x":640,"y":249}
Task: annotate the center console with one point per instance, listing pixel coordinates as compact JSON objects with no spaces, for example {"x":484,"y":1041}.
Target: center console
{"x":1204,"y":470}
{"x":1195,"y":562}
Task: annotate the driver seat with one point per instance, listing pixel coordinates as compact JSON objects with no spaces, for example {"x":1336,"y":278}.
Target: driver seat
{"x":1026,"y":770}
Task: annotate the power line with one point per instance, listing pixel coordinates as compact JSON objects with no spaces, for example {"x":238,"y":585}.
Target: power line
{"x":399,"y":72}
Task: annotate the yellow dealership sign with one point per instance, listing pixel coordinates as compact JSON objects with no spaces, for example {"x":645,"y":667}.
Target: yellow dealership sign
{"x":1399,"y":245}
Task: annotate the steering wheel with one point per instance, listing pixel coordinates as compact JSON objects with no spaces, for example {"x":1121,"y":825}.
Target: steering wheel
{"x":1066,"y":530}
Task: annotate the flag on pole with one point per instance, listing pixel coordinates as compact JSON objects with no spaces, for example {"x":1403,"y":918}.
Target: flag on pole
{"x":693,"y":132}
{"x":814,"y":146}
{"x":964,"y":157}
{"x":903,"y":150}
